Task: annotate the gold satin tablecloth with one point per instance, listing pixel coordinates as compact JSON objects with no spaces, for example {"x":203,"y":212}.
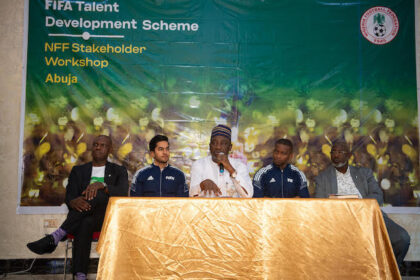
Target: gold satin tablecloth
{"x":225,"y":238}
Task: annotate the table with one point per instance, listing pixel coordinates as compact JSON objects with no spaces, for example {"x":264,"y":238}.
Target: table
{"x":227,"y":238}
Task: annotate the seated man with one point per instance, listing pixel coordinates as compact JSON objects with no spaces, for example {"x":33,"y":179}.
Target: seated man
{"x":87,"y":194}
{"x":159,"y":178}
{"x":280,"y":178}
{"x":342,"y":179}
{"x":217,"y":174}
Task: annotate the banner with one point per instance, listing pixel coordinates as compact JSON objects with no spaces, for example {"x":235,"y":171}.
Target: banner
{"x":311,"y":71}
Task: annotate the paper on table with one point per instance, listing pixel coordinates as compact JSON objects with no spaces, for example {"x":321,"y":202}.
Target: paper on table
{"x":343,"y":196}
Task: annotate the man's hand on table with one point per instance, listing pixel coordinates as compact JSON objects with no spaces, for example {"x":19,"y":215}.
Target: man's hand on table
{"x":209,"y":186}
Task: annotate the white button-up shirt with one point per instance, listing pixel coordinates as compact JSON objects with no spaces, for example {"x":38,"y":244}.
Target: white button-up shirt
{"x":206,"y":168}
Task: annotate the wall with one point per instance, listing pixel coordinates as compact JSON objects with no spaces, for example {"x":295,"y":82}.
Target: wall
{"x":17,"y":230}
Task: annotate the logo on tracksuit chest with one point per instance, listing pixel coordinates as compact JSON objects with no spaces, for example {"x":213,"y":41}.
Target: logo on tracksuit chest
{"x":289,"y":180}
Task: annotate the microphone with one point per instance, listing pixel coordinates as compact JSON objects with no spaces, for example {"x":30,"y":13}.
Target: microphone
{"x":221,"y":167}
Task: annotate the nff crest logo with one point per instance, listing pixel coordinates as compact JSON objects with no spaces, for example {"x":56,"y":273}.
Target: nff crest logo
{"x":379,"y":25}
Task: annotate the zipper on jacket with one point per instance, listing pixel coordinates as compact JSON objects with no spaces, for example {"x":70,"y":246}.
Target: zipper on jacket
{"x":282,"y":194}
{"x":160,"y":184}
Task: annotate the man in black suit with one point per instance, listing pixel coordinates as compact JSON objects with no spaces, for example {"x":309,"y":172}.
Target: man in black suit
{"x":89,"y":187}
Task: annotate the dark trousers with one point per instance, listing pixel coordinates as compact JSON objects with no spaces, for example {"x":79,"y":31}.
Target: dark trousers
{"x":82,"y":225}
{"x":400,"y":240}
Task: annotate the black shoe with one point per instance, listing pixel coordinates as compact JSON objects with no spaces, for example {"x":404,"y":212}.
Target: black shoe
{"x":42,"y":246}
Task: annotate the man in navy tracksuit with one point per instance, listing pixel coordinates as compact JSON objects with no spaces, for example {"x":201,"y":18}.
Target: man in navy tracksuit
{"x":159,"y":178}
{"x":280,"y":179}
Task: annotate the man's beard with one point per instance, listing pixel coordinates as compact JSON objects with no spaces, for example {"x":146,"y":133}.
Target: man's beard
{"x":161,"y":161}
{"x":339,"y":164}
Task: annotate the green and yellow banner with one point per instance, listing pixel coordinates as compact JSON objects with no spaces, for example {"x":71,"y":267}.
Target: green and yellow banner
{"x":311,"y":71}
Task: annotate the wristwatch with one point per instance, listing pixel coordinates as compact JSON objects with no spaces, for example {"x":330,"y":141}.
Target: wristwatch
{"x":233,"y":175}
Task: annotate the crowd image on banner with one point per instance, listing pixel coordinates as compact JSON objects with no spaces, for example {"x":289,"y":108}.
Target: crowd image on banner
{"x":51,"y":151}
